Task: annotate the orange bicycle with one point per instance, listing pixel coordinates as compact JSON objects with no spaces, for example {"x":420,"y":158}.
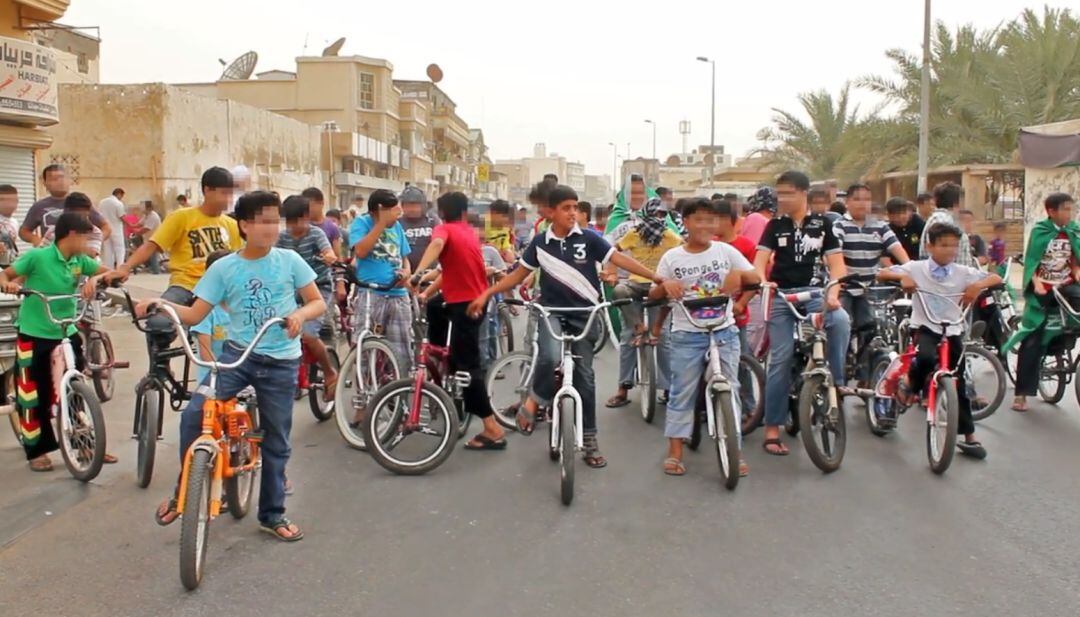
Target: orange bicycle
{"x":222,"y":460}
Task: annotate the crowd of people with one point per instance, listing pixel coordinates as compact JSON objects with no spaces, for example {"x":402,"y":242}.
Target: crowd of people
{"x":240,"y":257}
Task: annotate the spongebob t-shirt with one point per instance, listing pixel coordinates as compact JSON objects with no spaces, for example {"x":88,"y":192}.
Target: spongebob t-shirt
{"x":216,"y":326}
{"x":386,"y":257}
{"x":702,"y":275}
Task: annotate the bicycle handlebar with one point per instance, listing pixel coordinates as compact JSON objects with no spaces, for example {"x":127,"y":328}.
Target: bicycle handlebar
{"x":921,"y":293}
{"x":342,"y":268}
{"x":214,"y":366}
{"x":547,"y":311}
{"x":46,"y":299}
{"x":805,"y":296}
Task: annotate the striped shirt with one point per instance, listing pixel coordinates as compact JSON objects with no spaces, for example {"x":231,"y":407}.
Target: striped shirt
{"x":311,"y":247}
{"x":863,"y":247}
{"x":963,"y":257}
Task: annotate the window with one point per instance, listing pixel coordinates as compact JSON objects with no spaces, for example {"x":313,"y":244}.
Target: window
{"x":367,"y":91}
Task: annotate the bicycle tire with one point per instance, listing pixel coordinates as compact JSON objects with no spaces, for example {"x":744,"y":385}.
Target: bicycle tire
{"x":90,"y":410}
{"x":605,"y":328}
{"x":1052,"y":394}
{"x":346,"y":395}
{"x":646,"y":370}
{"x":15,"y":428}
{"x":149,"y":408}
{"x":999,"y":381}
{"x":322,"y":410}
{"x":10,"y":399}
{"x":99,"y":352}
{"x":752,"y":419}
{"x":195,"y":521}
{"x":506,"y":330}
{"x":828,"y":455}
{"x":876,"y":375}
{"x":567,"y":448}
{"x":464,"y":418}
{"x":378,"y":447}
{"x":727,"y":440}
{"x":947,"y":392}
{"x":240,"y":488}
{"x":506,"y":415}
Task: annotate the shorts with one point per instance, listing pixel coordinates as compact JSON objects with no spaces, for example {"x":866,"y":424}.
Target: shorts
{"x":312,"y":327}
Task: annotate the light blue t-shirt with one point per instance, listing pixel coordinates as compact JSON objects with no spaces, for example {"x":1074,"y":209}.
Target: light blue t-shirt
{"x":216,"y":326}
{"x":256,"y":290}
{"x":386,"y":257}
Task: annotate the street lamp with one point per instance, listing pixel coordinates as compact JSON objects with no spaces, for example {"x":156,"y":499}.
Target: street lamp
{"x":614,"y":166}
{"x":653,"y":137}
{"x":712,"y":129}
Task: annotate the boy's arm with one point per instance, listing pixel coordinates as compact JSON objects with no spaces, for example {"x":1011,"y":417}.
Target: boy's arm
{"x":7,"y":280}
{"x":974,"y":290}
{"x":891,"y":275}
{"x":189,"y":315}
{"x":205,"y":347}
{"x":431,"y":289}
{"x":761,"y":262}
{"x":632,"y":266}
{"x":313,"y":308}
{"x":477,"y":306}
{"x":898,"y":254}
{"x":431,"y":255}
{"x":141,"y":256}
{"x":364,"y":246}
{"x":837,"y":271}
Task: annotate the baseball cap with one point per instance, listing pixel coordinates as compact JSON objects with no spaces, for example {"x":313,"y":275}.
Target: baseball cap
{"x":412,"y":195}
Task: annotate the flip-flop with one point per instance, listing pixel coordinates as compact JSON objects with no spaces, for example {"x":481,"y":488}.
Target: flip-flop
{"x":973,"y":449}
{"x":40,"y":465}
{"x":617,"y":401}
{"x":170,"y":509}
{"x":744,"y":469}
{"x":529,"y":421}
{"x":485,"y":443}
{"x":110,"y":460}
{"x":674,"y":467}
{"x":781,"y":449}
{"x":1019,"y":407}
{"x":274,"y":528}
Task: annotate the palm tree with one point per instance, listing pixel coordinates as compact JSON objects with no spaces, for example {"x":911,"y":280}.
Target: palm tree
{"x":815,"y":145}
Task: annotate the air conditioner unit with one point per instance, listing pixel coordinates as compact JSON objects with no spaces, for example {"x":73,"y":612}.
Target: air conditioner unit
{"x":356,"y":167}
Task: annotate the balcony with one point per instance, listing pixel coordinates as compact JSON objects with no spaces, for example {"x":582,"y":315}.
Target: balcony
{"x":348,"y":179}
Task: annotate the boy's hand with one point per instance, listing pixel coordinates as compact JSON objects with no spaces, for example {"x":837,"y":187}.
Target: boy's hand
{"x":119,"y":274}
{"x":1038,"y":285}
{"x":673,"y":288}
{"x":739,"y":307}
{"x":611,"y":278}
{"x":89,"y":289}
{"x":971,"y":294}
{"x":403,"y":280}
{"x":329,"y":258}
{"x":832,"y":302}
{"x":293,"y":325}
{"x":11,"y":287}
{"x":478,"y":306}
{"x":142,"y":307}
{"x":908,"y":284}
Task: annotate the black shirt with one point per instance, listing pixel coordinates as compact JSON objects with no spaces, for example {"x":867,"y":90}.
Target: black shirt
{"x":797,"y":251}
{"x":910,"y":235}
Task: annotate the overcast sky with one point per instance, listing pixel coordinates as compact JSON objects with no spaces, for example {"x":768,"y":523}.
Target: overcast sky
{"x":573,"y":74}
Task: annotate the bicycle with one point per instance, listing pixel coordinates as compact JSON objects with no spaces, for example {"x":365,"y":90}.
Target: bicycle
{"x":98,"y":351}
{"x":398,"y":410}
{"x":80,"y":425}
{"x":943,"y":404}
{"x":1059,"y":364}
{"x":721,"y":415}
{"x":222,"y":459}
{"x":150,"y":395}
{"x":369,"y":365}
{"x":310,"y":378}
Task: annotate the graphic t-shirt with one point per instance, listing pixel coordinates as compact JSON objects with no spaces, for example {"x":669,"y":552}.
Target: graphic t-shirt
{"x":42,"y":216}
{"x":569,"y":266}
{"x":499,"y":237}
{"x":381,"y":264}
{"x":256,"y":290}
{"x":9,"y":236}
{"x":418,"y":232}
{"x":47,"y":271}
{"x":648,"y":256}
{"x":702,"y":275}
{"x":310,"y":247}
{"x":1055,"y":267}
{"x":797,"y":250}
{"x":189,"y":236}
{"x":216,"y":326}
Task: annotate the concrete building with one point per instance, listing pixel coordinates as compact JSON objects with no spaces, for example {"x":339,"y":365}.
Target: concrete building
{"x":452,"y":147}
{"x":155,"y":141}
{"x":517,"y":179}
{"x":598,"y":189}
{"x":649,"y":169}
{"x":78,"y":54}
{"x":575,"y":177}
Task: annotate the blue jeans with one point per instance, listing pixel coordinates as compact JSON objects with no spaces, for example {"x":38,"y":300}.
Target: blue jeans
{"x":548,"y":358}
{"x":628,"y":354}
{"x":746,"y":378}
{"x":274,"y":381}
{"x":688,"y":352}
{"x":782,"y":348}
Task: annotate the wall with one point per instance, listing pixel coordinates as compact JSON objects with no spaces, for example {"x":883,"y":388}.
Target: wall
{"x":1039,"y":183}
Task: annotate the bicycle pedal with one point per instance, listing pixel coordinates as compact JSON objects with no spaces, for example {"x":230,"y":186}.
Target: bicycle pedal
{"x":462,"y":379}
{"x":256,"y":436}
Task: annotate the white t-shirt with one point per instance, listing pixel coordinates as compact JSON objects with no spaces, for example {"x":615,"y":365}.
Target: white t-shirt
{"x":950,"y":280}
{"x":113,"y":210}
{"x":702,"y":274}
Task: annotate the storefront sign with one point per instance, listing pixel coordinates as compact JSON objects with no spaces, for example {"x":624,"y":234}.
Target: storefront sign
{"x":27,"y":83}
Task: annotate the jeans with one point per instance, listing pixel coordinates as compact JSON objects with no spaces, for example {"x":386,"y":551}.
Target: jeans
{"x":782,"y":349}
{"x":162,"y":329}
{"x":746,"y":378}
{"x":689,"y":352}
{"x":154,"y":263}
{"x":628,"y":354}
{"x":862,"y":326}
{"x":274,"y":381}
{"x":549,"y":357}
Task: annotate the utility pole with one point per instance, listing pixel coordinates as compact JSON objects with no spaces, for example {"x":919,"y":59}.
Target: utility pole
{"x":924,"y":103}
{"x":653,"y":137}
{"x":712,"y":129}
{"x":614,"y":167}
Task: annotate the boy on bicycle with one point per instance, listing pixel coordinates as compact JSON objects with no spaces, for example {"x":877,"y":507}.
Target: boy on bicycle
{"x":567,"y":256}
{"x":941,"y":274}
{"x":257,"y":283}
{"x":53,"y":270}
{"x":703,"y":268}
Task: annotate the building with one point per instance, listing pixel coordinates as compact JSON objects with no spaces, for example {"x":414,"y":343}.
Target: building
{"x":29,"y":102}
{"x":522,"y":174}
{"x":575,"y":177}
{"x":598,"y":189}
{"x":1048,"y":172}
{"x":78,"y":54}
{"x":452,"y":146}
{"x":517,"y":179}
{"x":649,"y":169}
{"x":155,"y":141}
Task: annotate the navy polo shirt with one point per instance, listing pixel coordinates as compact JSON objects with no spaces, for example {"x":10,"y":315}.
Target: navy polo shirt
{"x":568,"y":265}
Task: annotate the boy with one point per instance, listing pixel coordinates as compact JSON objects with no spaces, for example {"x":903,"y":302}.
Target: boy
{"x":978,"y":245}
{"x":494,"y":269}
{"x":600,"y":216}
{"x":727,"y":214}
{"x":317,"y":218}
{"x":53,"y":270}
{"x":9,"y":230}
{"x":497,"y":229}
{"x":818,"y":198}
{"x":81,"y":205}
{"x":315,"y":248}
{"x":703,"y":268}
{"x":570,"y":255}
{"x":996,"y":252}
{"x":905,"y":225}
{"x":416,"y":223}
{"x":454,"y":244}
{"x":258,"y":283}
{"x":212,"y":332}
{"x":941,"y":274}
{"x":381,"y":250}
{"x":646,"y":243}
{"x":584,"y":215}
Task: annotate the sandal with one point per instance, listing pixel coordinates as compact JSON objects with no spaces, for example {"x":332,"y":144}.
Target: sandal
{"x":1019,"y":406}
{"x":592,"y":456}
{"x":619,"y":400}
{"x":526,"y":422}
{"x":744,"y":468}
{"x":281,"y":527}
{"x":41,"y":463}
{"x":483,"y":442}
{"x":168,"y":515}
{"x":674,"y":467}
{"x":109,"y":459}
{"x":779,"y":448}
{"x":973,"y":449}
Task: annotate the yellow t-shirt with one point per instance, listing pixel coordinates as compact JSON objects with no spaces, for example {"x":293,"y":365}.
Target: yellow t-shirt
{"x":648,"y":256}
{"x":189,"y":236}
{"x":497,"y":237}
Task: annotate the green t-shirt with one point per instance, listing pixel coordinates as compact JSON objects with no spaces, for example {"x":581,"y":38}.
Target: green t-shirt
{"x":46,"y":271}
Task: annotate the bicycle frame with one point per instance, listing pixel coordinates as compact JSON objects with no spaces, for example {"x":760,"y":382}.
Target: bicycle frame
{"x":717,"y":381}
{"x":943,"y":369}
{"x":816,"y":363}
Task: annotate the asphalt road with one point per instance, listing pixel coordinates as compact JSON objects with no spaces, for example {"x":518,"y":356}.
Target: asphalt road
{"x":486,"y":533}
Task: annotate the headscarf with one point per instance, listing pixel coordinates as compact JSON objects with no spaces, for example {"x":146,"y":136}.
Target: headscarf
{"x":653,"y":222}
{"x":763,"y":199}
{"x":622,"y":216}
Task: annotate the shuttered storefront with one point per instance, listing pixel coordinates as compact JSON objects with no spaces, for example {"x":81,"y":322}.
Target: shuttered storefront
{"x":17,"y":169}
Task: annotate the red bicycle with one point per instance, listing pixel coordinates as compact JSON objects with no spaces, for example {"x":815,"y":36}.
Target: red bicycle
{"x":311,"y":378}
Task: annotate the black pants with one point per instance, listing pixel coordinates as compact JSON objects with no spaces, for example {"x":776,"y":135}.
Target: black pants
{"x":926,"y":362}
{"x":35,"y":381}
{"x":1032,"y":350}
{"x":464,"y":349}
{"x":863,"y":329}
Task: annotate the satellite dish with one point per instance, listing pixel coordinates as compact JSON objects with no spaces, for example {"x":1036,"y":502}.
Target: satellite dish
{"x":333,"y":49}
{"x":434,"y":73}
{"x":241,"y":68}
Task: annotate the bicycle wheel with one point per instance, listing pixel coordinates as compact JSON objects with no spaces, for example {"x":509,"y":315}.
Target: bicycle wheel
{"x":876,"y":406}
{"x":646,"y":369}
{"x":82,"y":440}
{"x":605,"y":328}
{"x":1008,"y":362}
{"x":464,"y":417}
{"x":567,"y":449}
{"x":508,"y":382}
{"x":240,"y":487}
{"x":321,"y":408}
{"x":411,"y":450}
{"x":506,"y":330}
{"x":99,"y":353}
{"x":727,"y":439}
{"x":985,"y":379}
{"x":149,"y":408}
{"x":752,"y":390}
{"x":941,"y":430}
{"x":9,"y":398}
{"x":195,"y":521}
{"x":824,"y":432}
{"x":357,"y":383}
{"x":1052,"y":378}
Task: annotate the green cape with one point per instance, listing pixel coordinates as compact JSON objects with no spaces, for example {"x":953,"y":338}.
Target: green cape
{"x":1034,"y":312}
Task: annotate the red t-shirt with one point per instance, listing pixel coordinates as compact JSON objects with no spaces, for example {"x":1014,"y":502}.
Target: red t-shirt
{"x":748,"y":249}
{"x":463,"y":278}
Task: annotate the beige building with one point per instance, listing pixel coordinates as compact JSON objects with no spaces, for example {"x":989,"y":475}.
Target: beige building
{"x":155,"y":141}
{"x":454,"y":152}
{"x":78,"y":54}
{"x":517,"y":179}
{"x":1041,"y":182}
{"x":649,"y":169}
{"x":575,"y":177}
{"x":598,"y":189}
